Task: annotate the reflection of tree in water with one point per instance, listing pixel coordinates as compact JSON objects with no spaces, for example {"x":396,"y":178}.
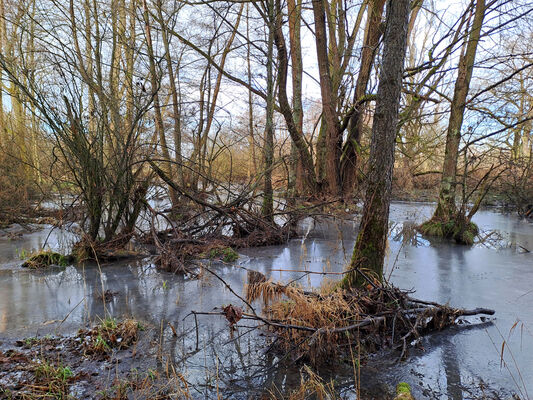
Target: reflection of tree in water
{"x":407,"y":234}
{"x":450,"y":259}
{"x":452,"y":370}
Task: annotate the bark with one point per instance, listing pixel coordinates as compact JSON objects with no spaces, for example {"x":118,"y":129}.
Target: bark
{"x":309,"y":176}
{"x":373,"y":33}
{"x":129,"y":55}
{"x":268,"y":151}
{"x":294,"y":9}
{"x":329,"y":101}
{"x":252,"y":167}
{"x":370,"y":247}
{"x":2,"y":39}
{"x":176,"y":113}
{"x":446,"y":204}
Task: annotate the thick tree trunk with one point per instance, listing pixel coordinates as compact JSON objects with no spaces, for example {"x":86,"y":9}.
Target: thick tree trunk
{"x":329,"y":101}
{"x":446,"y":205}
{"x":369,"y":250}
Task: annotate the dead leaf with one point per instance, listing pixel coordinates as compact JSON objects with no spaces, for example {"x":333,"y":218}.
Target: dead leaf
{"x":233,"y":314}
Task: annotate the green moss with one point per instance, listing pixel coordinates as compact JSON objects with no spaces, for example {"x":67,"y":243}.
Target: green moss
{"x":403,"y":392}
{"x":403,"y":387}
{"x":226,"y":254}
{"x":44,"y":259}
{"x":457,"y":229}
{"x":229,"y":255}
{"x":432,"y":228}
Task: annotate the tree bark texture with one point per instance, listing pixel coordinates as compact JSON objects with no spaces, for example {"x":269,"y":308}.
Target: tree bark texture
{"x":446,"y":205}
{"x":369,"y":250}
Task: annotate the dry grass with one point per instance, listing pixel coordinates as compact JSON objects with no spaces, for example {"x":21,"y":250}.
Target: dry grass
{"x":109,"y":335}
{"x":290,"y":305}
{"x":149,"y":385}
{"x":319,"y":326}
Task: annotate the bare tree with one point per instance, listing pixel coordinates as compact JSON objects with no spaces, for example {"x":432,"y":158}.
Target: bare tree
{"x":370,"y":247}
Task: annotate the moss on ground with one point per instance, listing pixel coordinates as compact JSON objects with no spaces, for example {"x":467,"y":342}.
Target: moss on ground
{"x":226,"y":254}
{"x":462,"y":232}
{"x":46,"y":258}
{"x":403,"y":392}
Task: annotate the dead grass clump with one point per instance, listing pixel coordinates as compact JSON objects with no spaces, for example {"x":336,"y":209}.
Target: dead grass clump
{"x":292,"y":306}
{"x":110,"y":335}
{"x":52,"y":381}
{"x":258,"y":287}
{"x":316,"y":327}
{"x":31,"y":378}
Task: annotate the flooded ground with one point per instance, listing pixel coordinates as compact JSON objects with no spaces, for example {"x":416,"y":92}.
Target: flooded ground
{"x":459,"y":363}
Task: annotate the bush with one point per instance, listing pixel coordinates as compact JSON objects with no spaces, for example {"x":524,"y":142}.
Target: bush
{"x":15,"y":189}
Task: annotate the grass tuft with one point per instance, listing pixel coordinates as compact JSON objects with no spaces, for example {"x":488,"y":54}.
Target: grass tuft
{"x":109,"y":335}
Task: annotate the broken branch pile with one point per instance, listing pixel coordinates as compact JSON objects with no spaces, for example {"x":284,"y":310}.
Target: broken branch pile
{"x":204,"y":222}
{"x":311,"y":326}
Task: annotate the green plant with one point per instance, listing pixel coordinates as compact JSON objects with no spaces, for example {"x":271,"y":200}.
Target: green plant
{"x":403,"y":391}
{"x":55,"y":378}
{"x":109,"y":335}
{"x":226,"y":254}
{"x":22,"y":254}
{"x":229,"y":255}
{"x":29,"y":342}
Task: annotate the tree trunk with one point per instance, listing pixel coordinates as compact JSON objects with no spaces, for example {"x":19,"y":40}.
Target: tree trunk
{"x":160,"y":129}
{"x":2,"y":39}
{"x":369,"y":249}
{"x":252,"y":167}
{"x":268,"y":150}
{"x":176,"y":113}
{"x":285,"y":108}
{"x":446,"y":205}
{"x":373,"y":32}
{"x":329,"y":101}
{"x":294,"y":9}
